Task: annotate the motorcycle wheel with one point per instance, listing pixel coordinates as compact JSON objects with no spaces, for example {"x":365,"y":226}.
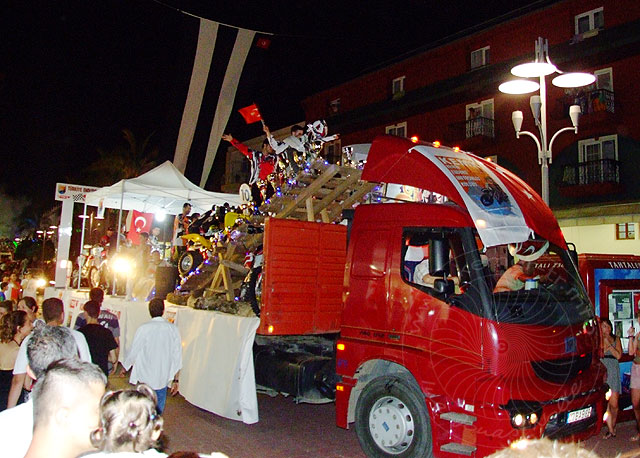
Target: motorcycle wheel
{"x":94,"y":277}
{"x":189,"y":261}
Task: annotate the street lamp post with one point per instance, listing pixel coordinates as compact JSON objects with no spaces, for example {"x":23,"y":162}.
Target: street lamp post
{"x":541,"y":68}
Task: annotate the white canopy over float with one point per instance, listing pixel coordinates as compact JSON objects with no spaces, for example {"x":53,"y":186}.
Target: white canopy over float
{"x":162,"y":190}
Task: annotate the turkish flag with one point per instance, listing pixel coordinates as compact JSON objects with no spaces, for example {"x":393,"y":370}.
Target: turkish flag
{"x":140,"y":222}
{"x":250,"y":114}
{"x":263,"y":43}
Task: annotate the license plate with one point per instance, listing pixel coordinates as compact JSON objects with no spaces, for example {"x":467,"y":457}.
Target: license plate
{"x":578,"y":415}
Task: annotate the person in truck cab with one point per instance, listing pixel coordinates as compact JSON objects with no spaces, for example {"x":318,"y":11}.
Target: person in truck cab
{"x":515,"y":277}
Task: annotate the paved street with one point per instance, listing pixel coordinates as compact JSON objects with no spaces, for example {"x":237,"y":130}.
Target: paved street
{"x":289,"y":430}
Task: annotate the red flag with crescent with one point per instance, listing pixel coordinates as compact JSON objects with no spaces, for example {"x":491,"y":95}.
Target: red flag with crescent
{"x":250,"y":114}
{"x":140,"y":222}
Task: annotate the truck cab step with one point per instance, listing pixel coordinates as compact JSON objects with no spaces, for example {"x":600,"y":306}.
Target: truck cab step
{"x":460,"y":449}
{"x":461,"y":418}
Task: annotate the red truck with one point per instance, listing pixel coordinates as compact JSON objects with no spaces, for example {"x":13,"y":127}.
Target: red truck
{"x":395,"y":313}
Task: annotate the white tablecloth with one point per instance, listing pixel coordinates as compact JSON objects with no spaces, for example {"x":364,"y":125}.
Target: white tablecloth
{"x":217,"y":349}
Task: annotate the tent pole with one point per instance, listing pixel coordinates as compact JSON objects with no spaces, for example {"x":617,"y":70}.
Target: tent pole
{"x":113,"y":290}
{"x":84,"y":221}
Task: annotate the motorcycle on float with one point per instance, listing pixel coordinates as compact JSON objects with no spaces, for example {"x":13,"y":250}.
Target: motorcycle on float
{"x":92,"y":266}
{"x":199,"y":249}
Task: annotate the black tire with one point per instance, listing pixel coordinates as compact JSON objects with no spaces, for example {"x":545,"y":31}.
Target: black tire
{"x":486,"y":198}
{"x":392,"y":419}
{"x":94,"y":277}
{"x":253,"y":289}
{"x":189,"y":261}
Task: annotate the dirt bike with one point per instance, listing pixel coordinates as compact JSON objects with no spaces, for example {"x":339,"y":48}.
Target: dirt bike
{"x":92,"y":265}
{"x":251,"y":288}
{"x":198,"y":251}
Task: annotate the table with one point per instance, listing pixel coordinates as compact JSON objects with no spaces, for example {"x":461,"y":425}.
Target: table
{"x":217,"y":350}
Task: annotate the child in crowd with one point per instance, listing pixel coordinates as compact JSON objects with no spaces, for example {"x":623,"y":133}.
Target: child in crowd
{"x":129,"y":423}
{"x":130,"y":426}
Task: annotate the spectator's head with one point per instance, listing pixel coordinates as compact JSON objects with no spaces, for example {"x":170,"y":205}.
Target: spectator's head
{"x":528,"y":448}
{"x":155,"y":231}
{"x":14,"y":278}
{"x":66,"y":403}
{"x":53,"y":311}
{"x":96,"y":294}
{"x":29,"y":305}
{"x":297,"y":131}
{"x":186,"y":208}
{"x":5,"y":307}
{"x":92,"y":309}
{"x":156,"y":307}
{"x":46,"y":345}
{"x":15,"y":325}
{"x":144,"y":237}
{"x":129,"y":421}
{"x":4,"y":285}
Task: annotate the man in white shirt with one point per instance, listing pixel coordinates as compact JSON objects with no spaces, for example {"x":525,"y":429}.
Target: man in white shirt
{"x":47,"y":344}
{"x":53,"y":314}
{"x":156,"y":354}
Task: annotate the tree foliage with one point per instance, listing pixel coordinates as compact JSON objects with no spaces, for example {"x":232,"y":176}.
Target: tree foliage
{"x":11,"y":213}
{"x":126,"y":160}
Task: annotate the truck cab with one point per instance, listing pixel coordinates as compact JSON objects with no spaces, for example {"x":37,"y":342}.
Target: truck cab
{"x":435,"y":357}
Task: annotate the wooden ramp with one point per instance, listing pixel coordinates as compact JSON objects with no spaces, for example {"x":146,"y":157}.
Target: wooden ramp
{"x":319,"y":193}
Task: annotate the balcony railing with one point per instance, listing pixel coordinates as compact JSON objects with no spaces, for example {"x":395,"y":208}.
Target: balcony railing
{"x":591,"y":172}
{"x":475,"y":127}
{"x":595,"y":101}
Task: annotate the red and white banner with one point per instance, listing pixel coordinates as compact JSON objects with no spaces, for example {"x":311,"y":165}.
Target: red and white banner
{"x":140,"y":222}
{"x":493,"y":208}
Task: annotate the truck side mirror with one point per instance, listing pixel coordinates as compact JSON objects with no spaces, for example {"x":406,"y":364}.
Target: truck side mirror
{"x":444,"y":286}
{"x":573,"y":253}
{"x":439,"y":257}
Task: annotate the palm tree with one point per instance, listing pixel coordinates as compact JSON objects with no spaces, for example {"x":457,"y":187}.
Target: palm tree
{"x":122,"y":161}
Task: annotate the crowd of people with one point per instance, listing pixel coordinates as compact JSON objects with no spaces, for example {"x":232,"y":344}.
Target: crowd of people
{"x":54,"y":380}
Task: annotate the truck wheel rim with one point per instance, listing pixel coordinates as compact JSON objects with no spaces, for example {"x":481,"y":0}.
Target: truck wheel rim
{"x":391,"y":425}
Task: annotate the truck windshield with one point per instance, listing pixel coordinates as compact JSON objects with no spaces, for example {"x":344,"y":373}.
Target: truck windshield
{"x":535,"y":283}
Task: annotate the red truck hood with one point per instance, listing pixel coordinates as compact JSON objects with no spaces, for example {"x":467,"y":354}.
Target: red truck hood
{"x":504,"y":208}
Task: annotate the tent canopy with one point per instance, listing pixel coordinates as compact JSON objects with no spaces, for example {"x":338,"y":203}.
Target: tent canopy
{"x":161,"y":190}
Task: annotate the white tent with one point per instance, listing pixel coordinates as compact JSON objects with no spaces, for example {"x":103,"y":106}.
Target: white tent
{"x":161,"y":190}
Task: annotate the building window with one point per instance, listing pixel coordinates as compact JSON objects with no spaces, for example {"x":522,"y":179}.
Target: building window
{"x":598,"y":160}
{"x":604,"y":79}
{"x":479,"y":119}
{"x":480,"y":57}
{"x":591,"y":20}
{"x":334,"y":106}
{"x":332,"y":151}
{"x":399,"y":130}
{"x":625,"y":231}
{"x":397,"y":87}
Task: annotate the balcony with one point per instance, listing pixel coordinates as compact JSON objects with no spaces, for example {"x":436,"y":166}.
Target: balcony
{"x":597,"y":106}
{"x":473,"y":133}
{"x":591,"y":178}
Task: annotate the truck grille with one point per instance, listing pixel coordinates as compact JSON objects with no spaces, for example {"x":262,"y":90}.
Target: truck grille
{"x":561,"y":370}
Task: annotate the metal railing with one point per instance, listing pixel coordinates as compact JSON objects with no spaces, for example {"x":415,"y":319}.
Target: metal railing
{"x":474,"y":127}
{"x":593,"y":101}
{"x":591,"y":172}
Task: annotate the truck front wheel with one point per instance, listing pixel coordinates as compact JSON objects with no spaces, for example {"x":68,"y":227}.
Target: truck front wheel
{"x":392,"y":419}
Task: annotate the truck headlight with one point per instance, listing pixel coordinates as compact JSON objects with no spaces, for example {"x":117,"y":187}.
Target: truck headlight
{"x":523,"y":414}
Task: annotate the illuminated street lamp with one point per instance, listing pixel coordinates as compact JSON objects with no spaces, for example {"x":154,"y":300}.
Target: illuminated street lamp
{"x":541,"y":68}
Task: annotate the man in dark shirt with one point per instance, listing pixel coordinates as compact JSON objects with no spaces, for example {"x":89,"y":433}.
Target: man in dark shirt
{"x":101,"y":343}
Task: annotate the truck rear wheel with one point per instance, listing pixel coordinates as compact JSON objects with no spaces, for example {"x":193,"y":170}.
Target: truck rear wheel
{"x":392,"y":419}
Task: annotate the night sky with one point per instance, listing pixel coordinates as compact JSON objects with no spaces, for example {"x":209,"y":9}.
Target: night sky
{"x":74,"y":73}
